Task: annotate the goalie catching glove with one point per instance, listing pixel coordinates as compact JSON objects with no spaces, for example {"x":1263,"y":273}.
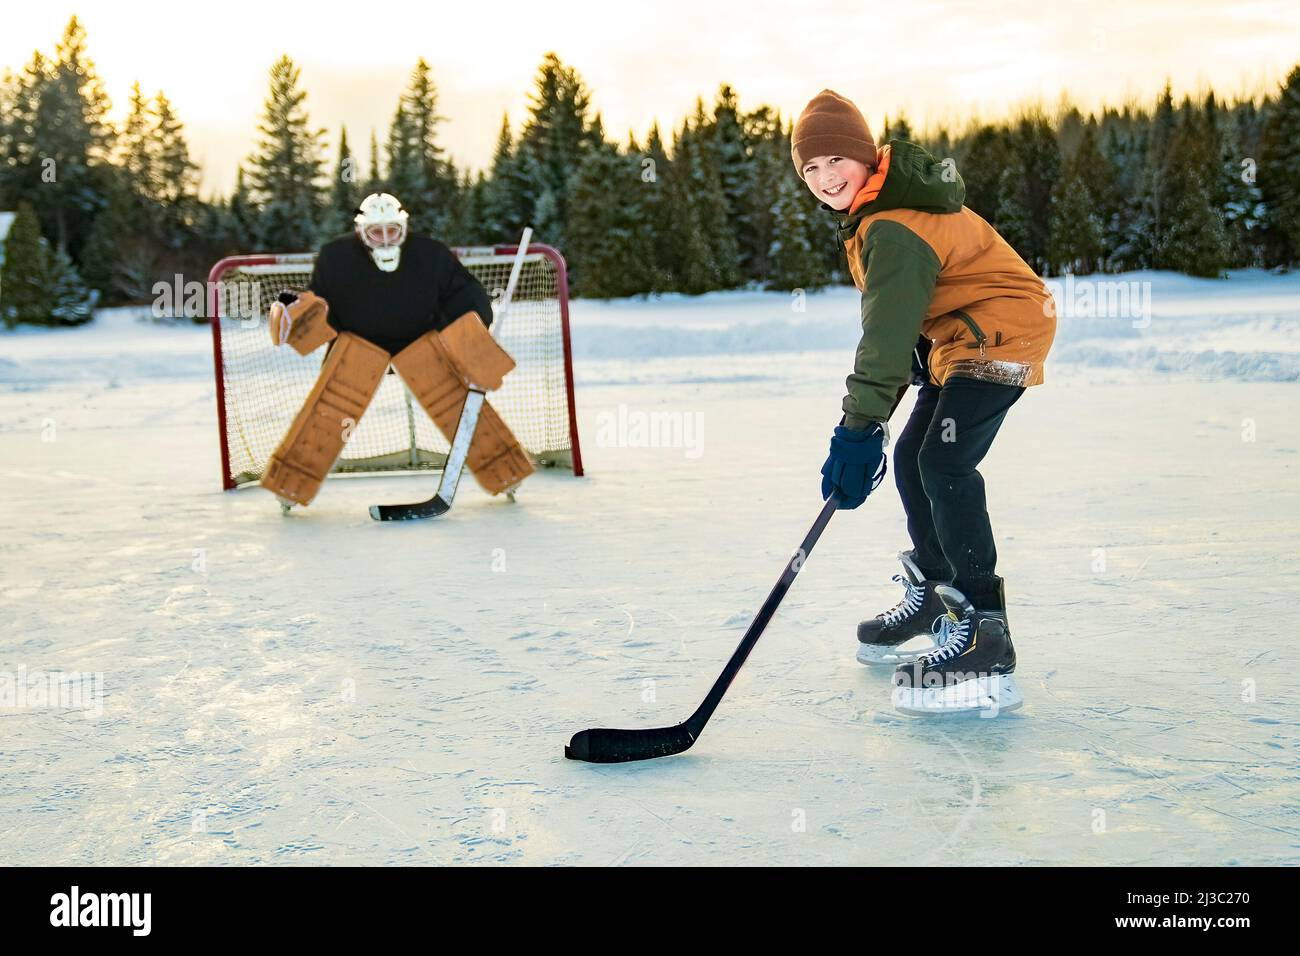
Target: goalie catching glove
{"x":300,"y":319}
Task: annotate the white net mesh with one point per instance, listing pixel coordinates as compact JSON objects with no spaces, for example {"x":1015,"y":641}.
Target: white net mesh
{"x":264,"y":386}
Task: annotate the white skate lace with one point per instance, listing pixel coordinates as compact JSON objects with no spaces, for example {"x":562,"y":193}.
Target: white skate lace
{"x":951,"y":637}
{"x":910,"y":604}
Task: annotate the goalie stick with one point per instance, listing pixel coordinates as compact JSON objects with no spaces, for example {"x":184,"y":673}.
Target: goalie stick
{"x":606,"y":745}
{"x":445,"y":496}
{"x":441,"y":502}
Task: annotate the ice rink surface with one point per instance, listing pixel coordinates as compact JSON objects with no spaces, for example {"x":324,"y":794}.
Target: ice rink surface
{"x":324,"y":689}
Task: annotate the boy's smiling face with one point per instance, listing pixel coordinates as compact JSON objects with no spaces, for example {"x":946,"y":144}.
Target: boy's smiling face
{"x":835,"y":180}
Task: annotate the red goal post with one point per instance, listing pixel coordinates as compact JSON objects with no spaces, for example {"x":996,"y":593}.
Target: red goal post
{"x":260,"y":387}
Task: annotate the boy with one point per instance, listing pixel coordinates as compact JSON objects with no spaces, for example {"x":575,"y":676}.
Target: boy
{"x":947,"y":302}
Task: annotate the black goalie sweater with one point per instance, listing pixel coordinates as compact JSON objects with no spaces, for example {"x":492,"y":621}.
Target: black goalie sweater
{"x":430,"y":289}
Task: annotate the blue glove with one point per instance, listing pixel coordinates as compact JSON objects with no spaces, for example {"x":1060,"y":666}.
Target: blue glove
{"x":856,"y":465}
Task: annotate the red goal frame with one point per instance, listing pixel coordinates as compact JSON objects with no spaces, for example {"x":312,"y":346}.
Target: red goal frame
{"x":270,"y":259}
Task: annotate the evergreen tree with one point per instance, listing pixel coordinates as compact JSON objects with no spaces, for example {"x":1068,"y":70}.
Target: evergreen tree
{"x":1069,"y":128}
{"x":1025,"y":190}
{"x":1214,"y":141}
{"x":1120,"y":206}
{"x":345,"y":192}
{"x":794,"y":262}
{"x":499,"y":209}
{"x":1195,"y":243}
{"x":161,"y":187}
{"x":428,"y":182}
{"x":472,"y":226}
{"x":693,"y":268}
{"x":69,"y":302}
{"x":25,"y":276}
{"x":65,"y":105}
{"x":134,"y":153}
{"x":735,"y":166}
{"x":901,"y":129}
{"x":122,"y":223}
{"x":20,"y":97}
{"x":510,"y":196}
{"x":285,"y":170}
{"x":129,"y":214}
{"x":940,"y":145}
{"x":1011,"y":218}
{"x":176,"y":185}
{"x":243,"y":214}
{"x":605,"y":226}
{"x":553,"y":143}
{"x":1244,"y":212}
{"x":12,"y":134}
{"x":1194,"y":240}
{"x":771,"y":164}
{"x":405,"y":178}
{"x":124,"y":251}
{"x":214,"y":229}
{"x":657,"y":257}
{"x":705,"y":257}
{"x":1279,"y":171}
{"x":984,"y":156}
{"x":375,"y":183}
{"x":1076,"y":238}
{"x":706,"y":195}
{"x":1151,"y":225}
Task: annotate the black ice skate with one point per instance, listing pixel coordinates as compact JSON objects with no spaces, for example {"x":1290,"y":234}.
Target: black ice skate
{"x":920,"y":612}
{"x":971,"y":673}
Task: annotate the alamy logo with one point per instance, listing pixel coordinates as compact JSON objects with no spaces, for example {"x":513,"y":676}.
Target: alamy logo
{"x":102,"y":909}
{"x":634,"y":428}
{"x":58,"y":689}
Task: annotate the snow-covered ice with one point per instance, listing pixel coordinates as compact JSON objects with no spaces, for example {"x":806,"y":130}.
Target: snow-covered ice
{"x":323,"y":688}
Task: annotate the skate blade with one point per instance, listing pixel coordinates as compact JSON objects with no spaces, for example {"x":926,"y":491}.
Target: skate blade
{"x":986,"y":696}
{"x":884,"y":654}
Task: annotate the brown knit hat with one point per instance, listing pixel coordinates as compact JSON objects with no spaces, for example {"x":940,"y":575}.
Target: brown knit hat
{"x":831,"y":125}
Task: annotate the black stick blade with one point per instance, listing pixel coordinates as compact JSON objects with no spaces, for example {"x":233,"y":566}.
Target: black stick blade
{"x":432,"y":508}
{"x":602,"y":745}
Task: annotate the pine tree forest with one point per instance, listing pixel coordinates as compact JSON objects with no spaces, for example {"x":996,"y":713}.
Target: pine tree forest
{"x":1194,"y":184}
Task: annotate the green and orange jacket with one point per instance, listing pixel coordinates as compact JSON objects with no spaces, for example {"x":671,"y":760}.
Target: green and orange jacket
{"x":929,"y":267}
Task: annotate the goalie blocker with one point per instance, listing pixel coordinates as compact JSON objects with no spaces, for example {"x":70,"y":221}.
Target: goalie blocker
{"x":439,"y":368}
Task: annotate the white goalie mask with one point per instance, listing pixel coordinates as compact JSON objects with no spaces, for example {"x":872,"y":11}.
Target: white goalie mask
{"x":381,"y":225}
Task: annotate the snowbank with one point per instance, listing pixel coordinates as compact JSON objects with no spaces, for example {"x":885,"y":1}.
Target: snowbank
{"x":1245,"y":327}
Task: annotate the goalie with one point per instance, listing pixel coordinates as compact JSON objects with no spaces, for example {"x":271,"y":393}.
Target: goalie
{"x":377,"y":297}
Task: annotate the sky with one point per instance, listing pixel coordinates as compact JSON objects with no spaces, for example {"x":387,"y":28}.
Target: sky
{"x":648,"y":61}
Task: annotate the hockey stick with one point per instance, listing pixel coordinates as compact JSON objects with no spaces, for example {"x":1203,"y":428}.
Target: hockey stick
{"x":445,"y":496}
{"x":442,"y":501}
{"x":605,"y":745}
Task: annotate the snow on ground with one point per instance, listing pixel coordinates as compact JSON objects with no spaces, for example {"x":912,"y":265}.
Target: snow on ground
{"x":325,"y":689}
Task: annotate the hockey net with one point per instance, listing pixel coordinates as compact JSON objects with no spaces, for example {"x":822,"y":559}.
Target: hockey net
{"x":260,"y":388}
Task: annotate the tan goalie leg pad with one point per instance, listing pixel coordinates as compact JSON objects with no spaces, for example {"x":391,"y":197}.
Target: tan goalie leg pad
{"x":495,"y":456}
{"x":475,"y":354}
{"x":348,"y":380}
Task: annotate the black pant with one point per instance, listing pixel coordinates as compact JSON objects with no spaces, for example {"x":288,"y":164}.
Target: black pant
{"x":949,"y":433}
